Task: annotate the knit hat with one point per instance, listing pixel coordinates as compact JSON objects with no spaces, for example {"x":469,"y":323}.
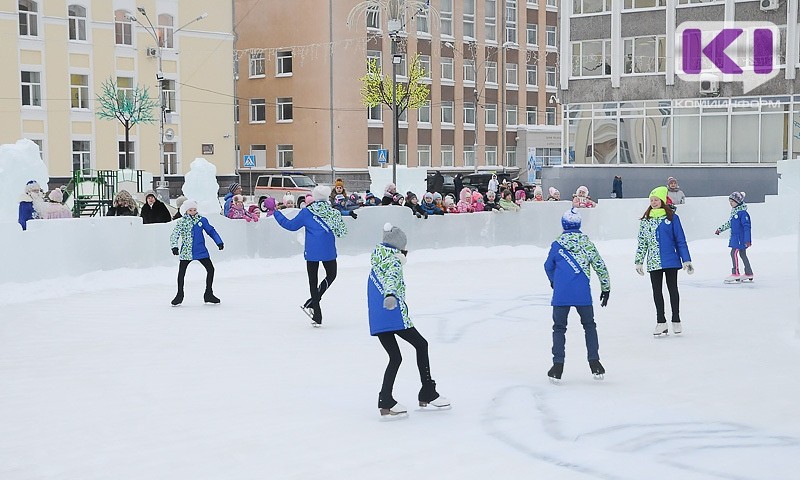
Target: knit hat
{"x":394,"y":237}
{"x":269,"y":205}
{"x":321,"y":192}
{"x":187,"y":205}
{"x":369,"y":195}
{"x":491,"y":195}
{"x":671,"y":179}
{"x":288,"y":199}
{"x":582,"y":189}
{"x":410,"y":196}
{"x":339,"y":198}
{"x":428,"y":197}
{"x":537,"y":190}
{"x":233,"y":187}
{"x":520,"y":195}
{"x":476,"y":196}
{"x":390,"y":188}
{"x":238,"y":198}
{"x":353,"y":197}
{"x":56,"y":195}
{"x":660,"y":192}
{"x":737,"y":197}
{"x":437,"y":196}
{"x":150,"y":193}
{"x":553,"y":191}
{"x":339,"y":183}
{"x":448,"y":201}
{"x":571,"y":220}
{"x":31,"y":186}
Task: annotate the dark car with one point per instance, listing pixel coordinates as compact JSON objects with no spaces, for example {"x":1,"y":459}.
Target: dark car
{"x":481,"y":180}
{"x":449,"y":188}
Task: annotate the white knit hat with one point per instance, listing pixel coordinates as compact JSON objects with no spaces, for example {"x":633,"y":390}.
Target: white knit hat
{"x":187,"y":205}
{"x":321,"y":192}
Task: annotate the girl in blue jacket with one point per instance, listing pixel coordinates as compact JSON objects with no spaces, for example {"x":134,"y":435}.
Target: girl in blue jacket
{"x":188,"y":234}
{"x":662,"y":242}
{"x":323,"y":224}
{"x":388,"y":316}
{"x":740,"y":241}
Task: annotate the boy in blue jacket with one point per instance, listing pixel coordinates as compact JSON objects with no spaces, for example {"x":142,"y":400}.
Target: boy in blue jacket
{"x":188,"y":234}
{"x":740,"y":241}
{"x":568,"y":266}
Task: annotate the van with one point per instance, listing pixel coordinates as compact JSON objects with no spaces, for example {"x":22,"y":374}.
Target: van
{"x":276,"y":186}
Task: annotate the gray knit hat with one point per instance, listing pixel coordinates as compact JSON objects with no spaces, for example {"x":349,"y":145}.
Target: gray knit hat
{"x":394,"y":237}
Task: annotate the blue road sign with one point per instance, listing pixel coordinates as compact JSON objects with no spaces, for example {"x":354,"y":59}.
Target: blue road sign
{"x":249,"y":161}
{"x":383,"y":155}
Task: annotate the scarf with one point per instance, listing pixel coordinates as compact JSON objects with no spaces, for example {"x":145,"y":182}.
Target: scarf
{"x":331,"y":217}
{"x":658,"y":213}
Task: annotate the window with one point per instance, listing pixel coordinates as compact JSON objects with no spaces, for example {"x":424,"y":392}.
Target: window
{"x":77,"y":22}
{"x":469,"y":18}
{"x":260,"y":152}
{"x":374,"y":18}
{"x":591,"y":58}
{"x":79,"y":91}
{"x":469,"y":70}
{"x":285,"y":156}
{"x":511,"y":74}
{"x":591,"y":6}
{"x":81,"y":155}
{"x":511,"y":115}
{"x":284,"y":63}
{"x":530,"y":115}
{"x":375,"y":56}
{"x":447,"y":112}
{"x":491,"y":72}
{"x":424,"y":155}
{"x":403,"y":116}
{"x":645,"y":54}
{"x":550,"y":115}
{"x":402,"y":154}
{"x":633,"y":4}
{"x":551,"y":34}
{"x":490,"y":20}
{"x":531,"y":74}
{"x":533,"y":34}
{"x":372,"y":155}
{"x":171,"y":158}
{"x":446,"y":18}
{"x":469,"y":113}
{"x":511,"y":155}
{"x":550,"y":72}
{"x":687,"y":2}
{"x":166,"y":31}
{"x":491,"y":155}
{"x":422,"y":22}
{"x":169,"y":93}
{"x":284,"y":109}
{"x":424,"y":113}
{"x":123,"y":28}
{"x":402,"y":67}
{"x":257,"y":64}
{"x":28,"y":18}
{"x":40,"y":144}
{"x":31,"y":89}
{"x":127,"y":161}
{"x":258,"y":110}
{"x":125,"y":89}
{"x":491,"y":113}
{"x":511,"y":21}
{"x":447,"y":68}
{"x":375,"y":113}
{"x":469,"y":155}
{"x":425,"y":65}
{"x":447,"y":155}
{"x":552,"y":3}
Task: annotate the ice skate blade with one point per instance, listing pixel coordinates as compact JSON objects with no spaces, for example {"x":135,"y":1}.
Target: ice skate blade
{"x":555,"y":381}
{"x":211,"y":303}
{"x":732,"y":281}
{"x":430,"y":407}
{"x":308,"y":311}
{"x":599,"y":376}
{"x":316,"y":325}
{"x":175,"y":305}
{"x":390,"y":417}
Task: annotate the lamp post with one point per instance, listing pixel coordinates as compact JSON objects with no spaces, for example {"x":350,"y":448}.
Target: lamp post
{"x":161,"y":187}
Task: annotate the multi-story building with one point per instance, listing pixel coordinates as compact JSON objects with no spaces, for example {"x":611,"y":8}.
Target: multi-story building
{"x":625,"y":104}
{"x":57,"y":55}
{"x":490,"y":64}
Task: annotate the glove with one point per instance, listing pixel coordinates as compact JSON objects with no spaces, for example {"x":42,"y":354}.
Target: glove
{"x":390,"y":302}
{"x":353,"y":214}
{"x":174,"y":250}
{"x":747,"y":245}
{"x":604,"y":298}
{"x":688,"y":267}
{"x":717,"y":232}
{"x":640,"y":269}
{"x":221,"y":246}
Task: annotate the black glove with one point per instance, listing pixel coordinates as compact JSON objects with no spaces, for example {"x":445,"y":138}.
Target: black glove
{"x":221,"y":246}
{"x":604,"y":298}
{"x":353,"y":214}
{"x":174,"y":250}
{"x":551,"y":285}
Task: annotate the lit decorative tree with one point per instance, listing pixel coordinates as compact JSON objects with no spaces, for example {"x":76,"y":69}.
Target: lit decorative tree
{"x":129,"y":107}
{"x":376,"y":89}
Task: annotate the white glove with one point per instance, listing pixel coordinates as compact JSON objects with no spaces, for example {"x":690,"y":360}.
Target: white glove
{"x":390,"y":302}
{"x":640,"y":269}
{"x":687,"y":266}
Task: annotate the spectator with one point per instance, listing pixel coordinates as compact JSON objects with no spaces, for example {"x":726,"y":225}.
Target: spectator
{"x":412,"y":202}
{"x":458,"y":183}
{"x":537,"y":194}
{"x":390,"y":195}
{"x":616,"y":189}
{"x":507,"y":203}
{"x":234,"y":189}
{"x":450,"y":204}
{"x":584,"y":200}
{"x":477,"y":201}
{"x":465,"y":201}
{"x":428,"y":206}
{"x":553,"y":194}
{"x":494,"y":185}
{"x":491,"y":202}
{"x":674,"y":193}
{"x":178,"y":203}
{"x":54,"y":208}
{"x":438,"y":201}
{"x":237,"y":210}
{"x":437,"y":184}
{"x":340,"y":204}
{"x":124,"y":206}
{"x":287,"y":202}
{"x":154,"y":210}
{"x":338,"y":189}
{"x":354,"y":201}
{"x":370,"y":200}
{"x":269,"y":204}
{"x":31,"y":204}
{"x":516,"y":186}
{"x":520,"y":196}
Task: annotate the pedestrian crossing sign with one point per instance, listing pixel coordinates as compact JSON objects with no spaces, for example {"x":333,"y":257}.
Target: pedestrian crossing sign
{"x":249,"y":161}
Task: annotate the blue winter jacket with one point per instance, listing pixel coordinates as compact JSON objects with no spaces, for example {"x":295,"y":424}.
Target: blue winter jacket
{"x":739,"y":223}
{"x":188,"y":233}
{"x":386,"y":278}
{"x":228,"y":200}
{"x":430,"y":208}
{"x":26,"y":212}
{"x":320,"y":245}
{"x":568,"y":266}
{"x":663,"y":243}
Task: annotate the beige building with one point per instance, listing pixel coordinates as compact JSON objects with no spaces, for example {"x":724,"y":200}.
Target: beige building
{"x":491,"y":66}
{"x":58,"y":53}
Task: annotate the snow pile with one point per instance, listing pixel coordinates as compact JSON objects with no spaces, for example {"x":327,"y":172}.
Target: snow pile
{"x":201,"y":185}
{"x":19,"y":164}
{"x":408,"y":179}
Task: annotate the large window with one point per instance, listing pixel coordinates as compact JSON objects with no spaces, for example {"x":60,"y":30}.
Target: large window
{"x":532,"y":34}
{"x":81,"y":155}
{"x":469,"y":18}
{"x":125,"y":88}
{"x":123,"y":28}
{"x":77,"y":22}
{"x":285,"y":156}
{"x":447,"y":155}
{"x":424,"y":113}
{"x":446,"y":18}
{"x":645,"y":54}
{"x":447,"y":68}
{"x":530,"y":115}
{"x":491,"y":72}
{"x":688,"y":2}
{"x":511,"y":155}
{"x":469,"y":113}
{"x":260,"y":152}
{"x":447,"y":112}
{"x":511,"y":115}
{"x":375,"y":113}
{"x":531,"y":74}
{"x":402,"y":154}
{"x":284,"y":63}
{"x":372,"y":155}
{"x":127,"y":161}
{"x":551,"y":33}
{"x":591,"y":6}
{"x":374,"y":18}
{"x":491,"y":155}
{"x":469,"y":70}
{"x":79,"y":91}
{"x":258,"y":110}
{"x":511,"y":21}
{"x":28,"y":18}
{"x":550,"y":115}
{"x":633,"y":4}
{"x":422,"y":22}
{"x":374,"y":56}
{"x":591,"y":58}
{"x":284,"y":109}
{"x":550,"y":73}
{"x":166,"y":31}
{"x":511,"y":74}
{"x":31,"y":89}
{"x":490,"y":20}
{"x":491,"y":114}
{"x":169,"y":94}
{"x":425,"y":65}
{"x":424,"y":155}
{"x":469,"y":155}
{"x":171,"y":158}
{"x":257,"y":64}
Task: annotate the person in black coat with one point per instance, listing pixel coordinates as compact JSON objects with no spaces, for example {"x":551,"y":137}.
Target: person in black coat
{"x":617,"y":187}
{"x":124,"y":206}
{"x":458,"y":183}
{"x":154,"y":210}
{"x":437,"y":185}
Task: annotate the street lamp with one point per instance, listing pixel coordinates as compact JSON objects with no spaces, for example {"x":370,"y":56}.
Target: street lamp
{"x":161,"y":186}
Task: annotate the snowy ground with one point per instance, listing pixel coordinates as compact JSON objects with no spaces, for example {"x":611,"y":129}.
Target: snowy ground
{"x":102,"y":379}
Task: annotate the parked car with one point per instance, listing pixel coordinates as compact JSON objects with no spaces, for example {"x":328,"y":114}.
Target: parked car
{"x":481,"y":180}
{"x":276,"y":186}
{"x":449,"y":187}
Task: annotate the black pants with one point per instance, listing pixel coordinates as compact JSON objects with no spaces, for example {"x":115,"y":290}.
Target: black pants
{"x":658,"y":296}
{"x":318,"y":290}
{"x":206,"y":262}
{"x":389,"y":342}
{"x":735,"y":268}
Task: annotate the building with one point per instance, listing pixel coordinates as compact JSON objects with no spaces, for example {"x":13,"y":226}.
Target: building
{"x":625,"y":104}
{"x":58,"y":54}
{"x":490,"y":64}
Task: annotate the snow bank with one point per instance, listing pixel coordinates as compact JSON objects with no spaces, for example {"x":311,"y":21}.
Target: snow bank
{"x":19,"y":164}
{"x":201,"y":185}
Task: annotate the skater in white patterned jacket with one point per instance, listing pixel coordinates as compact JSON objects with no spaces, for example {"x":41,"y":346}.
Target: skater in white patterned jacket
{"x":388,"y":318}
{"x":739,"y":225}
{"x":662,"y":241}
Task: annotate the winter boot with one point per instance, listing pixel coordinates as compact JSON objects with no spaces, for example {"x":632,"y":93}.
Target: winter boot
{"x":733,"y":278}
{"x":178,"y":299}
{"x":555,"y":372}
{"x":661,"y":329}
{"x":597,"y":369}
{"x":209,"y":297}
{"x":676,"y":328}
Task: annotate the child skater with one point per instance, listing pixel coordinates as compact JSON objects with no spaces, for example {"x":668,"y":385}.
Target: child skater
{"x":188,"y":232}
{"x":740,"y":241}
{"x":388,"y":317}
{"x":323,"y":224}
{"x":568,"y":266}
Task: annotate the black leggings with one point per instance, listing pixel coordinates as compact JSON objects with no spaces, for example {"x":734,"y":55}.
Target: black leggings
{"x":389,"y":342}
{"x":735,"y":268}
{"x":658,"y":296}
{"x":317,"y":291}
{"x":206,"y":262}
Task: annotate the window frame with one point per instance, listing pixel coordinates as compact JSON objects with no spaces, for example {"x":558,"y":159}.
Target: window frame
{"x":166,"y":31}
{"x":76,"y":23}
{"x":79,"y":92}
{"x":258,"y":105}
{"x":31,"y":16}
{"x":448,"y":106}
{"x":447,"y":151}
{"x":551,"y":32}
{"x":84,"y":154}
{"x":123,"y":28}
{"x":281,"y":153}
{"x":282,"y":113}
{"x":34,"y":88}
{"x":281,"y":61}
{"x":257,"y":64}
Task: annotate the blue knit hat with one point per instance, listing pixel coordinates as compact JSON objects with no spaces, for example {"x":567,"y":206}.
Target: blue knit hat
{"x":571,"y":220}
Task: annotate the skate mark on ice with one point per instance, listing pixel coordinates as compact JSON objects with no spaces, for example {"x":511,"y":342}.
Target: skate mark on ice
{"x":522,"y":418}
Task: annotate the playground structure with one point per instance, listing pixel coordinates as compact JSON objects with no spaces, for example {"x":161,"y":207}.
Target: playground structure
{"x":92,"y":192}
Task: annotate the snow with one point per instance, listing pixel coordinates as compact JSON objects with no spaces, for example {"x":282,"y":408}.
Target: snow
{"x":19,"y":164}
{"x":201,"y":185}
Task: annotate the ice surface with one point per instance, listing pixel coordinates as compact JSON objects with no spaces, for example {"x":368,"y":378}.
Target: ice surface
{"x":19,"y":164}
{"x":201,"y":185}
